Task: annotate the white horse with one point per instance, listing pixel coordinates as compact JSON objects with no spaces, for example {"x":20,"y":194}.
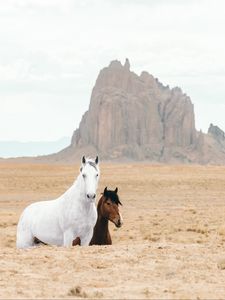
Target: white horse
{"x":60,"y":221}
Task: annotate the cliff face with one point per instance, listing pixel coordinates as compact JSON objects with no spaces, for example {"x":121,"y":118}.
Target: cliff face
{"x":136,"y":117}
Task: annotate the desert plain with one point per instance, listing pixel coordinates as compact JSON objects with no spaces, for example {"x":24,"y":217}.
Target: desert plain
{"x":171,"y":246}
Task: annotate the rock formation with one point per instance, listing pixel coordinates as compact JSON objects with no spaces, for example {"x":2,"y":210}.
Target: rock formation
{"x":216,"y":132}
{"x":213,"y":146}
{"x":137,"y":117}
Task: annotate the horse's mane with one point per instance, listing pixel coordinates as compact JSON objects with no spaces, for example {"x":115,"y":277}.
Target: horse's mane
{"x":113,"y":196}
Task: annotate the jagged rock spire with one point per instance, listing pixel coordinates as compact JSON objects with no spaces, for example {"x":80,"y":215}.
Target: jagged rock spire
{"x":127,"y":64}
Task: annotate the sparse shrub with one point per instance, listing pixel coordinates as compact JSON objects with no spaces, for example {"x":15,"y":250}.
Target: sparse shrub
{"x":200,"y":230}
{"x":77,"y":292}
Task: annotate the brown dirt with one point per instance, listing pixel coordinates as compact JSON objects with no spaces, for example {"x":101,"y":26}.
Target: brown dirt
{"x":172,"y":244}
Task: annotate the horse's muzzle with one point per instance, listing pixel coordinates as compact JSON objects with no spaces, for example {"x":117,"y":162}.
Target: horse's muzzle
{"x":118,"y":223}
{"x":91,"y":196}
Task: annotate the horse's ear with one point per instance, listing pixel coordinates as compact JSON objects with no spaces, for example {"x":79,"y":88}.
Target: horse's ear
{"x":96,"y":160}
{"x":83,"y":160}
{"x":105,"y":191}
{"x":116,"y":190}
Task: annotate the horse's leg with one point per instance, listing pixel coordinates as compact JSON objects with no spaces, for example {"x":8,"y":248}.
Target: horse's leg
{"x":24,"y":239}
{"x":109,"y":240}
{"x":77,"y":242}
{"x":85,"y":241}
{"x":68,"y":238}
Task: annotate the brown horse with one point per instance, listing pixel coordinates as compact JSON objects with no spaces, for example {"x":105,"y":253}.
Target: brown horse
{"x":108,"y":210}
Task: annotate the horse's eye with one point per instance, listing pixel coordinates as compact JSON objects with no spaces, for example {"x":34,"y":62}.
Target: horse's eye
{"x":84,"y":175}
{"x":108,"y":203}
{"x":96,"y":175}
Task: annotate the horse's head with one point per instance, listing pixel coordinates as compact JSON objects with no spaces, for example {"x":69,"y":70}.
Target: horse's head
{"x":90,"y":175}
{"x":109,"y":208}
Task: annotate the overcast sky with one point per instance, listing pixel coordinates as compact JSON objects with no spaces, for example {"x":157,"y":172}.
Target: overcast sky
{"x":51,"y":52}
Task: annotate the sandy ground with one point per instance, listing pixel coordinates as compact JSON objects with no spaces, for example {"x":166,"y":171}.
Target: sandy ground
{"x":172,"y":244}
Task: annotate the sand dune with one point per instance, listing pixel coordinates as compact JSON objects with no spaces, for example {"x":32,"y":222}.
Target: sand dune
{"x":172,"y":244}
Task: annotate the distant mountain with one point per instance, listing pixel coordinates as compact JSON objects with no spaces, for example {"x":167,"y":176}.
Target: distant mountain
{"x":137,"y":118}
{"x":133,"y":117}
{"x":21,"y":149}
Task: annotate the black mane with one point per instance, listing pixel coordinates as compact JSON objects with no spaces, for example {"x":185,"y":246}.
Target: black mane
{"x":112,"y":195}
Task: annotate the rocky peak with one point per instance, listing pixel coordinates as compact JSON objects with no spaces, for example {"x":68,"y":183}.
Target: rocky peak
{"x":115,"y":64}
{"x":118,"y":76}
{"x":135,"y":116}
{"x":216,"y":132}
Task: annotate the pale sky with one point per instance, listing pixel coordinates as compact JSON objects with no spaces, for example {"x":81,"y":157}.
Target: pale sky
{"x":51,"y":52}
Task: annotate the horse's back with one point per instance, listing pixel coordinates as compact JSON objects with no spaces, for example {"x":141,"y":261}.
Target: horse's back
{"x":38,"y":209}
{"x":36,"y":221}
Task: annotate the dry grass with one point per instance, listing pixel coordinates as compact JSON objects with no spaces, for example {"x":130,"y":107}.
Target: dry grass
{"x":170,"y":246}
